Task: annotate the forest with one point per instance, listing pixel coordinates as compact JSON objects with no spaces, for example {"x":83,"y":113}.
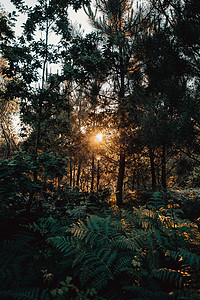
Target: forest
{"x":100,"y":151}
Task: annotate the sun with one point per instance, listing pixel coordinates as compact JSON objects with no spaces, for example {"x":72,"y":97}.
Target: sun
{"x":99,"y":137}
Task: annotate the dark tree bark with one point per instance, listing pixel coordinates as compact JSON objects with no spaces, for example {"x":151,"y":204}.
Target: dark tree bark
{"x":78,"y":172}
{"x":7,"y":154}
{"x":153,"y":172}
{"x":92,"y":180}
{"x":40,"y":102}
{"x":74,"y":173}
{"x":70,"y":172}
{"x":98,"y":174}
{"x":119,"y":190}
{"x":120,"y":181}
{"x":163,"y":174}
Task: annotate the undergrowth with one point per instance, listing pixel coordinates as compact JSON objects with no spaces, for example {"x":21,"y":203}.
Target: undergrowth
{"x":149,"y":252}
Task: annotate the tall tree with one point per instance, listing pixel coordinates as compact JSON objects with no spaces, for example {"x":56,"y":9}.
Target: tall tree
{"x":118,"y":17}
{"x":43,"y":97}
{"x":164,"y":91}
{"x":8,"y":106}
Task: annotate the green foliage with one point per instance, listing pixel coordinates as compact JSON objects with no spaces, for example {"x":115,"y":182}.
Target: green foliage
{"x":22,"y":265}
{"x":16,"y":183}
{"x":25,"y":294}
{"x":67,"y":286}
{"x":18,"y":189}
{"x":144,"y":253}
{"x":87,"y":56}
{"x":137,"y":246}
{"x":193,"y":178}
{"x":6,"y":32}
{"x":187,"y":258}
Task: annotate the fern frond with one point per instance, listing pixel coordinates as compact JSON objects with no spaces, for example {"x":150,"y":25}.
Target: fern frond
{"x":97,"y":231}
{"x":188,"y":258}
{"x":142,"y":293}
{"x":100,"y":282}
{"x":25,"y":294}
{"x":62,"y":243}
{"x":138,"y":238}
{"x":46,"y":226}
{"x":158,"y":201}
{"x":173,"y":276}
{"x":14,"y":256}
{"x":122,"y":263}
{"x":95,"y":264}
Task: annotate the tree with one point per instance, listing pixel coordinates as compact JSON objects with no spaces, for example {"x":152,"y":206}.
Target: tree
{"x":165,"y":119}
{"x":83,"y":58}
{"x":8,"y":106}
{"x":115,"y":25}
{"x":43,"y":97}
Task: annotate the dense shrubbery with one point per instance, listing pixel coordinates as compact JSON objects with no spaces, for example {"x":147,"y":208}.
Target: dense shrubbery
{"x":150,"y":252}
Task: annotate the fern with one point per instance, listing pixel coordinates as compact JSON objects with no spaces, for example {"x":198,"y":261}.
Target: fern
{"x":123,"y":255}
{"x":189,"y":259}
{"x":46,"y":226}
{"x":97,"y":231}
{"x":94,"y":250}
{"x":25,"y":294}
{"x":61,"y":243}
{"x":157,"y":201}
{"x":173,"y":276}
{"x":14,"y":255}
{"x":88,"y":262}
{"x":77,"y":212}
{"x":121,"y":264}
{"x":142,"y":293}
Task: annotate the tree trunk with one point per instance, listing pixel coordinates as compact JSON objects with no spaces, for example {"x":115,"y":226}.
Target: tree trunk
{"x":78,"y":172}
{"x":38,"y":135}
{"x":74,"y":173}
{"x":70,"y":172}
{"x":153,"y":173}
{"x":119,"y":189}
{"x":7,"y":154}
{"x":98,"y":175}
{"x":92,"y":180}
{"x":40,"y":103}
{"x":163,"y":174}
